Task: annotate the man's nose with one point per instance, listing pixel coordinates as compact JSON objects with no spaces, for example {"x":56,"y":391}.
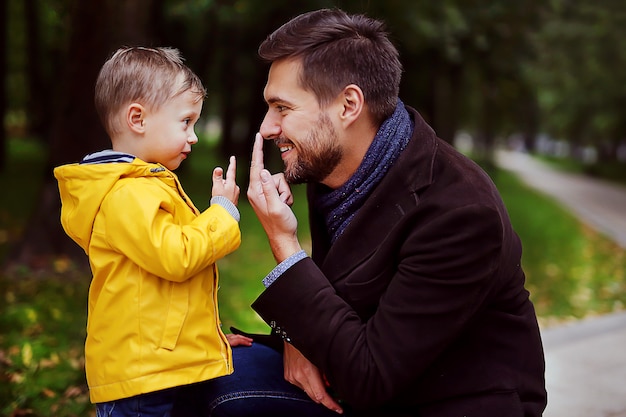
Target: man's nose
{"x":270,"y":127}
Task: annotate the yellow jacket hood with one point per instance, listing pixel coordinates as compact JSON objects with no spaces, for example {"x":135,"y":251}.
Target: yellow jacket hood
{"x":83,"y":187}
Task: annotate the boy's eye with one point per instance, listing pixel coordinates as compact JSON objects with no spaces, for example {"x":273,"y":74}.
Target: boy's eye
{"x":187,"y":121}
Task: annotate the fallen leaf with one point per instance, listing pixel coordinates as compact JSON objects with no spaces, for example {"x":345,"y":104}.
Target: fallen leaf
{"x":49,"y":393}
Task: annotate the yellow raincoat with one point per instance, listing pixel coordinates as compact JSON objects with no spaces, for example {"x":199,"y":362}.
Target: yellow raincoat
{"x":153,"y":321}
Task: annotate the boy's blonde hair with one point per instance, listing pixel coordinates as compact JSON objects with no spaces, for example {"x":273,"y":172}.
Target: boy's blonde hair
{"x":149,"y":76}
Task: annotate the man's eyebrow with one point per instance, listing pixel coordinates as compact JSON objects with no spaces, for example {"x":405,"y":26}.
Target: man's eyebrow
{"x":274,"y":100}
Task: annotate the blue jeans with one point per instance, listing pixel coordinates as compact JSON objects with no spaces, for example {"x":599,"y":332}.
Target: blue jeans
{"x":257,"y":388}
{"x":154,"y":404}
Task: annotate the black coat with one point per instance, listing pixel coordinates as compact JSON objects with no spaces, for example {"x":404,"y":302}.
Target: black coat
{"x":419,"y":306}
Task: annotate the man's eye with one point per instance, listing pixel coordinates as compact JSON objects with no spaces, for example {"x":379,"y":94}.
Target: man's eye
{"x":281,"y":108}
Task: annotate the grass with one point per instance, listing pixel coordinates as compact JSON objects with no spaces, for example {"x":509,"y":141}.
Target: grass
{"x":572,"y":272}
{"x":41,"y":347}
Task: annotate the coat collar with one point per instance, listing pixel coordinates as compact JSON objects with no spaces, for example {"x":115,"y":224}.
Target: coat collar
{"x":396,"y":195}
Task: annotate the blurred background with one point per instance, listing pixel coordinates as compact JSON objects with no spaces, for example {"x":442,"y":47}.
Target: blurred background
{"x":542,"y":77}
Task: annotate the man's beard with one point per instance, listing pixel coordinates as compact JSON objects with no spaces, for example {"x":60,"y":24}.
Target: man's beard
{"x":320,"y":157}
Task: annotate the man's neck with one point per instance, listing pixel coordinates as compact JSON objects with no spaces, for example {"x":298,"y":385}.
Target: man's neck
{"x":356,"y":144}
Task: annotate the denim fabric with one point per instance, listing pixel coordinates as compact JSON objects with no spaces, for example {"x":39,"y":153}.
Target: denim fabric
{"x":257,"y":388}
{"x":154,"y":404}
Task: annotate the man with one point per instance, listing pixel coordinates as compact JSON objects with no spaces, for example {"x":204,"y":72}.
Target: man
{"x":412,"y":302}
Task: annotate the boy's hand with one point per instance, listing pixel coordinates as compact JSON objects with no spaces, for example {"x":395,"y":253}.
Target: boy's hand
{"x":238,"y":340}
{"x":226,"y":187}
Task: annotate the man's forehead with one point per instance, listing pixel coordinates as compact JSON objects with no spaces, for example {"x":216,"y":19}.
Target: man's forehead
{"x":284,"y":70}
{"x":283,"y":83}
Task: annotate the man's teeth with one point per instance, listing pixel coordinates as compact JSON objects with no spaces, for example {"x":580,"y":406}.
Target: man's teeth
{"x":285,"y":148}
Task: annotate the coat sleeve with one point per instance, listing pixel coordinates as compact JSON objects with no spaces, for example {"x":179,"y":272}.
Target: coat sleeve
{"x":436,"y":282}
{"x":164,"y":237}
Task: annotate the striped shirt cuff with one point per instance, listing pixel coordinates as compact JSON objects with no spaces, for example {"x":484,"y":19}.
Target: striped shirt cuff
{"x":227,"y":204}
{"x":282,"y":267}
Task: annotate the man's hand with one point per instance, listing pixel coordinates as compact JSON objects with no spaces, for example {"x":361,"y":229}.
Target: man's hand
{"x":226,"y":187}
{"x":271,"y":198}
{"x":303,"y":374}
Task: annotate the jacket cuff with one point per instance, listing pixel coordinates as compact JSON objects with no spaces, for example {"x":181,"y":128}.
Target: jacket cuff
{"x":227,"y":204}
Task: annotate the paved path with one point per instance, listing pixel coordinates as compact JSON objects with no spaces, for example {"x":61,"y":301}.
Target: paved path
{"x":586,"y":368}
{"x":586,"y":360}
{"x":600,"y":204}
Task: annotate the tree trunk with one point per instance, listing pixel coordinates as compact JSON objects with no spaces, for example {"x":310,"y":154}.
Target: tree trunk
{"x":39,"y":116}
{"x":486,"y":139}
{"x":3,"y":72}
{"x":446,"y":97}
{"x":98,"y":28}
{"x":230,"y":81}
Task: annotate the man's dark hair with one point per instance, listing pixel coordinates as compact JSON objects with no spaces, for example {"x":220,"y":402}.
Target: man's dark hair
{"x":336,"y":50}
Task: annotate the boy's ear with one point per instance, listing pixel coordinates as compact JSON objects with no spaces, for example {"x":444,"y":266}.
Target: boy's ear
{"x":135,"y":115}
{"x":353,"y":102}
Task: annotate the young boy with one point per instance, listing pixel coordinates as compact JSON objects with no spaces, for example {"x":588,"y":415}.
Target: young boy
{"x":153,"y":326}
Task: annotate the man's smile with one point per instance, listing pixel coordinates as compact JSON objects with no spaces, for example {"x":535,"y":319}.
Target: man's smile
{"x":283,"y":146}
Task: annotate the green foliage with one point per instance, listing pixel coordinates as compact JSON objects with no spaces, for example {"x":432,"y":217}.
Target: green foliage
{"x":480,"y":65}
{"x":579,"y":73}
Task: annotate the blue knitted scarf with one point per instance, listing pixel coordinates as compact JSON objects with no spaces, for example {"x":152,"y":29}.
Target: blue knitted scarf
{"x":339,"y":206}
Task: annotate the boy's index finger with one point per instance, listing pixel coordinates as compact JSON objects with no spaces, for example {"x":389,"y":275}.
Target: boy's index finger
{"x":232,"y":168}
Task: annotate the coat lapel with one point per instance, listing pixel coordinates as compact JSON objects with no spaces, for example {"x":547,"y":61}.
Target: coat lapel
{"x":396,"y":195}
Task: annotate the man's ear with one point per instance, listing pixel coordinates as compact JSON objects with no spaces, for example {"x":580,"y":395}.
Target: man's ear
{"x":135,"y":115}
{"x":353,"y":103}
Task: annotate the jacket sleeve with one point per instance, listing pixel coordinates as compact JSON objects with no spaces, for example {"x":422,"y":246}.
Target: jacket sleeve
{"x":163,"y":236}
{"x":431,"y":288}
